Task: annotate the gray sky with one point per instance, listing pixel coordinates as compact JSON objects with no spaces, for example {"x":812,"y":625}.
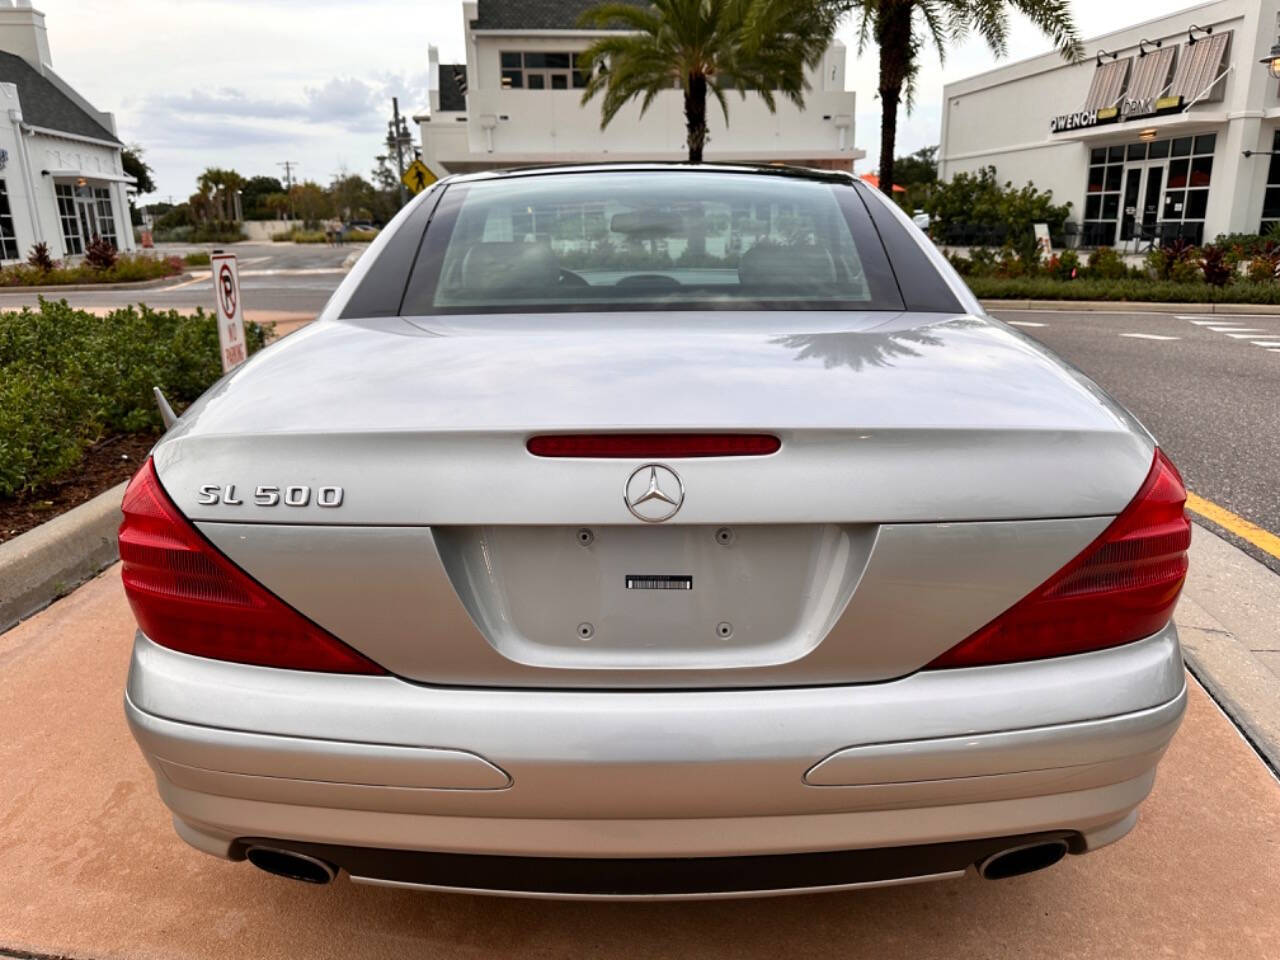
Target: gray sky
{"x":248,"y":83}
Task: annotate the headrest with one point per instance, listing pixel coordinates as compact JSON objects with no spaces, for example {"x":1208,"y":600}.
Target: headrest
{"x":508,"y":264}
{"x":774,"y":265}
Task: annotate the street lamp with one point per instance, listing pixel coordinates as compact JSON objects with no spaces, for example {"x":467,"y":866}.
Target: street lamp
{"x":1272,"y":62}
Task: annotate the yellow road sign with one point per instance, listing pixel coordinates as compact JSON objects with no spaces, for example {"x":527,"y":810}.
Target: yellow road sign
{"x":417,"y":178}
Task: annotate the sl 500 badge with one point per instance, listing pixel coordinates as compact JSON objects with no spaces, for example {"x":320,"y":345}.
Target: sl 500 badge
{"x":269,"y":495}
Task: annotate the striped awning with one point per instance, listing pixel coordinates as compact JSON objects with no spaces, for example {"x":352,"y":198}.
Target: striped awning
{"x":1151,"y":74}
{"x":1108,"y":84}
{"x":1199,"y":66}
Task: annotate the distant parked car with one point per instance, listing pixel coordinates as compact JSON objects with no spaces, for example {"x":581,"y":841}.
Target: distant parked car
{"x":922,"y":220}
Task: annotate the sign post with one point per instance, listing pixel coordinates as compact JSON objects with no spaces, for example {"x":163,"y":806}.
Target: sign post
{"x":226,"y":291}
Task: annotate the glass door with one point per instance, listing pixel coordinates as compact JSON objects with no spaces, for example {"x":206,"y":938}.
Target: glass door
{"x":1151,"y":199}
{"x":1129,"y":204}
{"x":1140,"y":206}
{"x":88,"y":217}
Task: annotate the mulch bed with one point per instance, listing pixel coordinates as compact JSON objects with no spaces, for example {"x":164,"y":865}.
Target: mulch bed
{"x":105,"y":464}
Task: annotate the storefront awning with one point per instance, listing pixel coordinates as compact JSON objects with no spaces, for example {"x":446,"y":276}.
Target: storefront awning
{"x":1170,"y":125}
{"x":91,"y":177}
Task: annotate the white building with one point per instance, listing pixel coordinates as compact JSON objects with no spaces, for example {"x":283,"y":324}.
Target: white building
{"x":61,"y":179}
{"x":1147,"y":137}
{"x":517,"y":101}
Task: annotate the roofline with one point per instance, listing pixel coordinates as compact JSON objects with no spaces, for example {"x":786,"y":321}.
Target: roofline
{"x":546,"y":32}
{"x":767,"y":169}
{"x":67,"y":135}
{"x":1085,"y":43}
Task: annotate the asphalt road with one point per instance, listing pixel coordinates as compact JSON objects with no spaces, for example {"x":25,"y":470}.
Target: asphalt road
{"x":274,"y":277}
{"x":1203,"y":385}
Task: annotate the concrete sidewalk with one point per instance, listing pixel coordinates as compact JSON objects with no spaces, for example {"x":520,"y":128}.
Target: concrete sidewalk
{"x":1229,"y":623}
{"x":90,"y":867}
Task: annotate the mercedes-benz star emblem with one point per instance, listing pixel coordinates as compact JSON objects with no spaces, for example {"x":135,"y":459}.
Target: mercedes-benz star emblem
{"x":654,"y":493}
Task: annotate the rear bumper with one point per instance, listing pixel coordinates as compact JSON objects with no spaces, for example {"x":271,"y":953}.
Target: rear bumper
{"x":374,"y":762}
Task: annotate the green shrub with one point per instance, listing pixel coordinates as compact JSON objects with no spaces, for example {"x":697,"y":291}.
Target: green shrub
{"x":126,"y":269}
{"x":300,"y":236}
{"x":198,"y":258}
{"x":217,"y":231}
{"x":1129,"y":288}
{"x":1264,"y":267}
{"x":1063,"y":266}
{"x":1106,"y":264}
{"x":69,"y":378}
{"x":975,"y":208}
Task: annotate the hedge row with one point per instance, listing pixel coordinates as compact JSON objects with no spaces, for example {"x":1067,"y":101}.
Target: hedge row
{"x":69,"y":378}
{"x":127,"y":268}
{"x":1146,"y":290}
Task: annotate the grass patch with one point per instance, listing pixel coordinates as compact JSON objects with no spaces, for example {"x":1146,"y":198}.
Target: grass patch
{"x":69,"y":378}
{"x":1131,"y":289}
{"x":198,"y":258}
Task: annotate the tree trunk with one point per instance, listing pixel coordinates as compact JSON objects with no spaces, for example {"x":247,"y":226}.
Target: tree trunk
{"x":695,"y":115}
{"x":893,"y":33}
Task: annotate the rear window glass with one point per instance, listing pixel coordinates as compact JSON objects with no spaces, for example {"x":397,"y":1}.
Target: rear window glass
{"x":642,"y":240}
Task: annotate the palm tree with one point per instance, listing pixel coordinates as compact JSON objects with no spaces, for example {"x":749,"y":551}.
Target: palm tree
{"x":701,"y":47}
{"x":901,"y":28}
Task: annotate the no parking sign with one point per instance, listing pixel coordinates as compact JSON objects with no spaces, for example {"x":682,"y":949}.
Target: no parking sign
{"x":226,"y":292}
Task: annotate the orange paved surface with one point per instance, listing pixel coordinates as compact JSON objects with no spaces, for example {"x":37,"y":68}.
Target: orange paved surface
{"x":90,"y":867}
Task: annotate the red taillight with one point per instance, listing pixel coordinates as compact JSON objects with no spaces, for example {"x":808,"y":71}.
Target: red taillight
{"x":653,"y":445}
{"x":1123,"y":587}
{"x":189,"y":597}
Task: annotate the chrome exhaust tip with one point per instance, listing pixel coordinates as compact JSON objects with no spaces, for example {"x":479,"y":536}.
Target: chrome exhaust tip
{"x":294,"y":866}
{"x":1016,"y":861}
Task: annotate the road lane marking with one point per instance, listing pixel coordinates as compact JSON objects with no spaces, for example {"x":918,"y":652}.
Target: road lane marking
{"x":1245,"y":334}
{"x":1025,"y":323}
{"x":1264,"y":540}
{"x":1148,"y":336}
{"x":1202,"y":323}
{"x":1266,"y":343}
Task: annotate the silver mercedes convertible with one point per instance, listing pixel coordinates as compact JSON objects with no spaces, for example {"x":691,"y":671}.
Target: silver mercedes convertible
{"x":654,"y":531}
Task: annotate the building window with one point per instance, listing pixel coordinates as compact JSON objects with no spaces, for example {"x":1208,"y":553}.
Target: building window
{"x":1102,"y":197}
{"x":541,"y":71}
{"x":72,"y":241}
{"x":1271,"y":199}
{"x":8,"y":238}
{"x":1186,"y":198}
{"x":106,"y":219}
{"x":1185,"y":168}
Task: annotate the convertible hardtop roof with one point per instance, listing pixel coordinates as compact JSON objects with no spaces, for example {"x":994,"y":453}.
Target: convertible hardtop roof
{"x":764,"y":169}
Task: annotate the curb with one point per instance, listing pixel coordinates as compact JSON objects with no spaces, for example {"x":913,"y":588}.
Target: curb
{"x":54,"y":558}
{"x":1226,"y":625}
{"x":84,"y":287}
{"x":1135,"y":306}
